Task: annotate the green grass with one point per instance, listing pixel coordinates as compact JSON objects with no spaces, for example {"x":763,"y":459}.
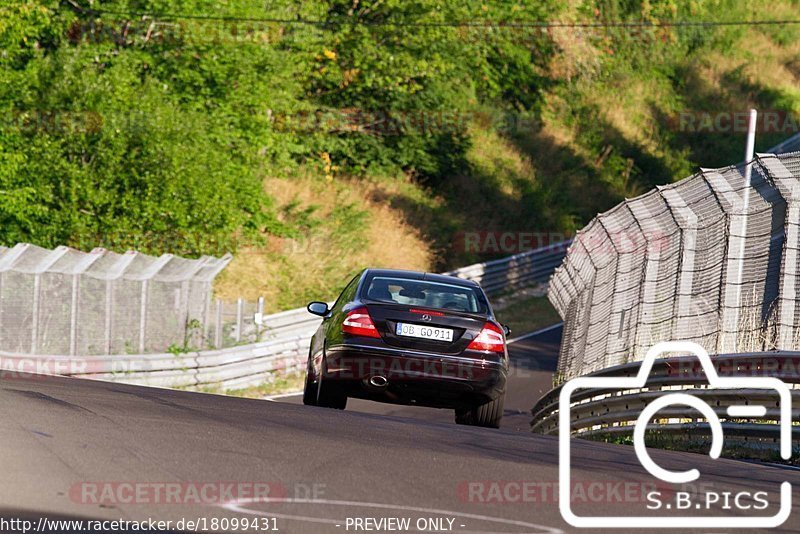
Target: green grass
{"x":282,"y":384}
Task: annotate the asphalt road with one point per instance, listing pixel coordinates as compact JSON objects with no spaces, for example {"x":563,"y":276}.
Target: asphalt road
{"x":81,"y":449}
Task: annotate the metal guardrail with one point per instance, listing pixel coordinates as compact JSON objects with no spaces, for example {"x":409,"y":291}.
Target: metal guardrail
{"x":607,"y":412}
{"x":515,"y":271}
{"x":790,"y":145}
{"x":224,"y":369}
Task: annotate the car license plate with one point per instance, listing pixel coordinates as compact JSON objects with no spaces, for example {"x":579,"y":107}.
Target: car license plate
{"x":424,"y":332}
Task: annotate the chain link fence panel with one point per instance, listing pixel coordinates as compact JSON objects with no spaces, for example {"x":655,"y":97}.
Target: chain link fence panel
{"x":687,"y":262}
{"x":67,"y":302}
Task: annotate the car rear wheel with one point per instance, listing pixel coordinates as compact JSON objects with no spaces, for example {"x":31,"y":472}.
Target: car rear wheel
{"x":310,"y":391}
{"x":486,"y":415}
{"x":329,"y":394}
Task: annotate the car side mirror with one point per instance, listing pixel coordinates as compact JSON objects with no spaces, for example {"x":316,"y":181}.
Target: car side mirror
{"x":506,"y":330}
{"x":318,"y":308}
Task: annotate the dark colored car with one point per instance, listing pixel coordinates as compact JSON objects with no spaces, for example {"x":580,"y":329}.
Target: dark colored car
{"x":414,"y":338}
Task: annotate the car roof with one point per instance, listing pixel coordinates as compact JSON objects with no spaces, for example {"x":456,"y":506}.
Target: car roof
{"x":417,"y":275}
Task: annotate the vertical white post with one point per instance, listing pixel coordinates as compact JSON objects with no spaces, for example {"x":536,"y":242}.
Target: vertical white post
{"x":73,"y":316}
{"x":239,"y":310}
{"x":218,"y":326}
{"x":182,"y":307}
{"x":143,"y":317}
{"x":259,"y":317}
{"x":108,"y":318}
{"x":1,"y":310}
{"x":37,"y":284}
{"x":748,"y":172}
{"x":206,"y":311}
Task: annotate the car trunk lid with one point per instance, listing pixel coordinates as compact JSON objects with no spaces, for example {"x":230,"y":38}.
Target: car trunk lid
{"x":388,"y":317}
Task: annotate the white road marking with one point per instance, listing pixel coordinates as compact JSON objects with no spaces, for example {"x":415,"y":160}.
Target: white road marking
{"x":536,"y":333}
{"x":238,"y":507}
{"x":782,"y":466}
{"x":283,"y":395}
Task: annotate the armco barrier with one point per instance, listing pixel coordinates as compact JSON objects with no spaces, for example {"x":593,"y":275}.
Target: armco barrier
{"x":226,"y":369}
{"x":285,"y":340}
{"x":515,"y":271}
{"x":607,"y":412}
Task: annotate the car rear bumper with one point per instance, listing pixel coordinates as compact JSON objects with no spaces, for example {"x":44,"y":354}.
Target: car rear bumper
{"x":413,"y":377}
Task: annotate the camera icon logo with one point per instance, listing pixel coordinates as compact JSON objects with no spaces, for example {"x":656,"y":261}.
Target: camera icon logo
{"x":675,"y":477}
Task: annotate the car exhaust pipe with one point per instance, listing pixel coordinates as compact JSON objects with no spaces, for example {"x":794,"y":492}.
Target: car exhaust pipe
{"x":379,"y":381}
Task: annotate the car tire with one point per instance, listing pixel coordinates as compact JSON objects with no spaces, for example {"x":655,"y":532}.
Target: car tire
{"x":486,"y":415}
{"x":330,"y":395}
{"x":311,"y":389}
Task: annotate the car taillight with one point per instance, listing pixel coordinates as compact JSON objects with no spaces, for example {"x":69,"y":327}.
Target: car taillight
{"x":359,"y":323}
{"x":491,"y":338}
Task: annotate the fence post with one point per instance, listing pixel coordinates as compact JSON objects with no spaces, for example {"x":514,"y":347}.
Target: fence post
{"x":73,"y":316}
{"x":143,"y":316}
{"x":218,"y":326}
{"x":787,"y":293}
{"x":239,"y":310}
{"x":109,"y":307}
{"x":182,"y":298}
{"x":206,"y":311}
{"x":35,"y":313}
{"x":748,"y":172}
{"x":1,"y":311}
{"x":259,"y":317}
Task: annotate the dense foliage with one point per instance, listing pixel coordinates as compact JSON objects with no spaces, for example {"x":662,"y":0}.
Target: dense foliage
{"x":130,"y":131}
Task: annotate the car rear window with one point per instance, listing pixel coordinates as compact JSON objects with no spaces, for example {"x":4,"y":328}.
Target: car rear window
{"x":425,"y":294}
